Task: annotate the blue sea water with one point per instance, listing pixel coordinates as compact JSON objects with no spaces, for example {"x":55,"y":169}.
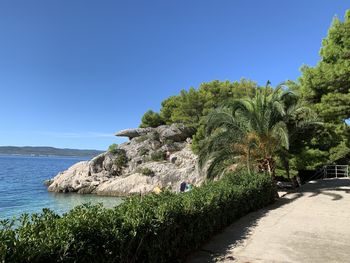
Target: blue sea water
{"x":22,"y":189}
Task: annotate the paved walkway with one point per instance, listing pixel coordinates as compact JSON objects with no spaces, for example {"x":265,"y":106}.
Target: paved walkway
{"x":311,"y":225}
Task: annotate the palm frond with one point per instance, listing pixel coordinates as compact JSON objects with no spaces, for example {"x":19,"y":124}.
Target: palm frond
{"x":253,"y":128}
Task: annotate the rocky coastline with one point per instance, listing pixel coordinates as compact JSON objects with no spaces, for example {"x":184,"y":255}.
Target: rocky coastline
{"x":152,"y":157}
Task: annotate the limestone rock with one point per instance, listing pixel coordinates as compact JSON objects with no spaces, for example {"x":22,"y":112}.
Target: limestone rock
{"x":48,"y":182}
{"x":73,"y":179}
{"x":174,"y":132}
{"x":132,"y":133}
{"x":104,"y":175}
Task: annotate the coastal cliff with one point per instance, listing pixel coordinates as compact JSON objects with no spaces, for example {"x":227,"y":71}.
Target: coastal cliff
{"x":152,"y":157}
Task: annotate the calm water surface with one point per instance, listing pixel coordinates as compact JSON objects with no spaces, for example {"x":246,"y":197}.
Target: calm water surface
{"x":22,"y":189}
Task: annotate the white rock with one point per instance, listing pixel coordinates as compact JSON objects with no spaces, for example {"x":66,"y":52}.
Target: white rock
{"x":102,"y":176}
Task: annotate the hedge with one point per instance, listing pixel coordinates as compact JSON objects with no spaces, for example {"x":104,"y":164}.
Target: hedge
{"x":154,"y":228}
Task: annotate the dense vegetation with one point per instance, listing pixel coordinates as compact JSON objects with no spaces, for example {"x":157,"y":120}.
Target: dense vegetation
{"x":190,"y":107}
{"x":252,"y":132}
{"x":325,"y":88}
{"x":155,"y":228}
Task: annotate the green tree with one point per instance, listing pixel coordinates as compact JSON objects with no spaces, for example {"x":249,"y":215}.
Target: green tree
{"x":218,"y":93}
{"x":251,"y":131}
{"x":168,"y":107}
{"x":151,"y":119}
{"x":190,"y":108}
{"x":327,"y":88}
{"x":327,"y":84}
{"x":302,"y":123}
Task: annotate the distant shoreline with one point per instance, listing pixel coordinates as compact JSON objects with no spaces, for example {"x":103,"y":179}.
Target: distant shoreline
{"x":46,"y":151}
{"x":45,"y":155}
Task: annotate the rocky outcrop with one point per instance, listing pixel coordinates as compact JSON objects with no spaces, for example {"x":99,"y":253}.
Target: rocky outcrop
{"x":175,"y":132}
{"x":132,"y":133}
{"x":153,"y":157}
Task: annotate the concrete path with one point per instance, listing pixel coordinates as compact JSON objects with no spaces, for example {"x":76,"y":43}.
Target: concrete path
{"x":311,"y":225}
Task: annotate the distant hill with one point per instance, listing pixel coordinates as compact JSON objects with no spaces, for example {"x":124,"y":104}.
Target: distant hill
{"x":29,"y":150}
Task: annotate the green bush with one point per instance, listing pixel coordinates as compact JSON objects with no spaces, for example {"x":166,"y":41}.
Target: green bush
{"x":169,"y":142}
{"x":158,"y":156}
{"x":154,"y":136}
{"x":143,"y":151}
{"x":154,"y":228}
{"x":146,"y":171}
{"x":141,"y":138}
{"x":113,"y":148}
{"x":151,"y":119}
{"x":121,"y":160}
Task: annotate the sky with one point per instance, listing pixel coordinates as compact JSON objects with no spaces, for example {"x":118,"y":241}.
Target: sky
{"x":73,"y":72}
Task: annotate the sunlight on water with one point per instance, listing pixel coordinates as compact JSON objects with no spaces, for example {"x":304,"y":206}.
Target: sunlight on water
{"x":22,"y":189}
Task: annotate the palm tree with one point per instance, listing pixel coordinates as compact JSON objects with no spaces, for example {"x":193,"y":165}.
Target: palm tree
{"x":251,"y":131}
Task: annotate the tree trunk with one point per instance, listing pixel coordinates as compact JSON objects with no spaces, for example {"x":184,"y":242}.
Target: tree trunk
{"x":271,"y":167}
{"x":267,"y":165}
{"x":285,"y":161}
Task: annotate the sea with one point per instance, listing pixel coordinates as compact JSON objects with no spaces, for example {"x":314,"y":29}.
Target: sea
{"x":22,"y":188}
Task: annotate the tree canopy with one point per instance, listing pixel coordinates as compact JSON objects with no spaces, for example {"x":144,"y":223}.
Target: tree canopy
{"x":327,"y":88}
{"x":189,"y":107}
{"x":253,"y":131}
{"x":151,"y":119}
{"x":328,"y":83}
{"x":324,"y":87}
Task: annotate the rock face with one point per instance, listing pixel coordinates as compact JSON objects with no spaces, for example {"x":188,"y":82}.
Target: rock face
{"x":153,"y":157}
{"x":175,"y":132}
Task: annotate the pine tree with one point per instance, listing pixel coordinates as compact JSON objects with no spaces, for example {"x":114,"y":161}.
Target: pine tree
{"x":327,"y":87}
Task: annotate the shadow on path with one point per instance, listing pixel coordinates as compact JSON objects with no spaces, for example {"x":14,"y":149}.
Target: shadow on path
{"x":218,"y":247}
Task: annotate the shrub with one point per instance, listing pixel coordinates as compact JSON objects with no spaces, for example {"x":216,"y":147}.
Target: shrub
{"x":121,"y":160}
{"x":154,"y":136}
{"x":146,"y":171}
{"x":151,"y":119}
{"x":143,"y":151}
{"x":158,"y":156}
{"x":141,"y":138}
{"x":113,"y":148}
{"x":169,"y":142}
{"x":154,"y":228}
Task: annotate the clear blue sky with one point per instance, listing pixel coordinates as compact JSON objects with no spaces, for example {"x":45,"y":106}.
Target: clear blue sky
{"x":73,"y":72}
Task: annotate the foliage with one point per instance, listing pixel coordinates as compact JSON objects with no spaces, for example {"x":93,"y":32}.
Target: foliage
{"x":189,"y":107}
{"x":113,"y":148}
{"x":141,"y":138}
{"x":327,"y":84}
{"x":146,"y":171}
{"x":121,"y":160}
{"x":326,"y":88}
{"x":158,"y":156}
{"x":199,"y":138}
{"x":252,"y":130}
{"x":338,"y":152}
{"x":169,"y":142}
{"x":154,"y":228}
{"x":308,"y":159}
{"x":151,"y":119}
{"x":154,"y":136}
{"x":143,"y":151}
